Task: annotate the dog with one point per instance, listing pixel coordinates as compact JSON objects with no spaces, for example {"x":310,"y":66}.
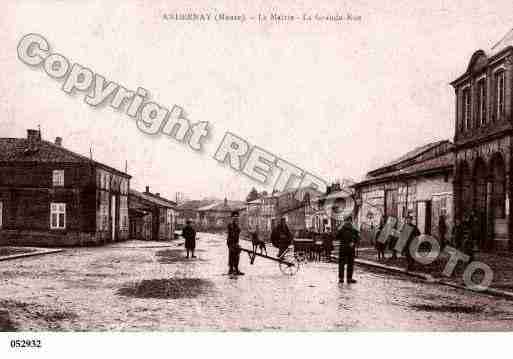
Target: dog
{"x":258,"y":243}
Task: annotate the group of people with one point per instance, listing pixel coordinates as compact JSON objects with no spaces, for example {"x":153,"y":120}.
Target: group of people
{"x":282,"y":238}
{"x":466,"y":234}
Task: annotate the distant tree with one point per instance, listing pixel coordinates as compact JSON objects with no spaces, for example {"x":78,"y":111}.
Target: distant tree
{"x":253,"y":194}
{"x":264,"y":194}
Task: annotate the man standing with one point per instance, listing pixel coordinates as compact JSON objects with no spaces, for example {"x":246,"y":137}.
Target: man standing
{"x":190,"y":238}
{"x":281,"y":237}
{"x":233,"y":245}
{"x":347,"y":236}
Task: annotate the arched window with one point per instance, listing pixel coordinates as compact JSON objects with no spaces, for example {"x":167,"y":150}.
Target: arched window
{"x":466,"y":109}
{"x":500,"y":93}
{"x":481,"y":102}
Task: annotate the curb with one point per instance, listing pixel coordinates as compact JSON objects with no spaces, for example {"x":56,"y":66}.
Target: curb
{"x":31,"y":254}
{"x":427,"y":277}
{"x":430,"y":279}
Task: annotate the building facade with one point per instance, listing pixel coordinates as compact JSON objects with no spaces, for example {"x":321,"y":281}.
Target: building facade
{"x":152,"y":217}
{"x":483,"y":143}
{"x":293,"y":204}
{"x":217,"y":215}
{"x":419,"y":184}
{"x":50,"y":196}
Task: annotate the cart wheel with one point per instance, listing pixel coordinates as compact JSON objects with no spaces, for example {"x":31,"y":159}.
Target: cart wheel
{"x":293,"y":266}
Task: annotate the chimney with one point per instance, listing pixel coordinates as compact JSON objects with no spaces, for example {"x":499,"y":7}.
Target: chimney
{"x":147,"y":189}
{"x":33,"y":136}
{"x":58,"y":141}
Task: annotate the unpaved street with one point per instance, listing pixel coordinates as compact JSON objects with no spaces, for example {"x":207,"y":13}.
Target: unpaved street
{"x":144,"y":286}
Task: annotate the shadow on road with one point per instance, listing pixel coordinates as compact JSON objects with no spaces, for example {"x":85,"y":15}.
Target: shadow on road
{"x":173,"y":288}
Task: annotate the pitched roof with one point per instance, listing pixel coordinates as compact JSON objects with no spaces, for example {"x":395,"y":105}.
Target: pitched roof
{"x":310,"y":189}
{"x":443,"y":162}
{"x":221,"y":206}
{"x":20,"y":150}
{"x":160,"y":201}
{"x":412,"y":154}
{"x":193,"y":205}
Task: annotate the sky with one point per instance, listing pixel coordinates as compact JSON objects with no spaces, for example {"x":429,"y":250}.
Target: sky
{"x":335,"y":99}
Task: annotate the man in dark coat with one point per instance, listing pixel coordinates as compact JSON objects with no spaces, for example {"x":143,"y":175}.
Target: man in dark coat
{"x":281,"y":237}
{"x":347,"y":236}
{"x":190,"y":238}
{"x":232,"y":242}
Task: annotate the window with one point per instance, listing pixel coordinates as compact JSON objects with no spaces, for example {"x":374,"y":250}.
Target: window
{"x":58,"y":178}
{"x":58,"y":215}
{"x":481,"y":102}
{"x":500,"y":88}
{"x":466,"y":109}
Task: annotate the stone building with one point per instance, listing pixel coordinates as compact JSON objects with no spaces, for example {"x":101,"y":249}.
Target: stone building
{"x":483,"y":142}
{"x":417,"y":184}
{"x":51,"y":196}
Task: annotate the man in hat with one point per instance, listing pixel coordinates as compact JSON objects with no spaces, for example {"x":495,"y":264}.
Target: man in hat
{"x":190,"y":238}
{"x":347,"y":236}
{"x":233,"y":245}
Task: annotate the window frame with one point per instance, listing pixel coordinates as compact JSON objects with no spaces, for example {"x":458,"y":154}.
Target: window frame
{"x":481,"y":101}
{"x":500,"y":92}
{"x":59,"y":175}
{"x":466,"y":109}
{"x":57,"y":210}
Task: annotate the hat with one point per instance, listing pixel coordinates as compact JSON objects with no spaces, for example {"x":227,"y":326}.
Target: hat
{"x":235,"y":214}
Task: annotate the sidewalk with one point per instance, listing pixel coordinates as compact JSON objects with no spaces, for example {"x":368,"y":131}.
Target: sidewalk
{"x":12,"y":252}
{"x":501,"y":264}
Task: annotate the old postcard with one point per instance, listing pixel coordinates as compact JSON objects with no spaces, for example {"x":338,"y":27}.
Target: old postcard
{"x":312,"y":166}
